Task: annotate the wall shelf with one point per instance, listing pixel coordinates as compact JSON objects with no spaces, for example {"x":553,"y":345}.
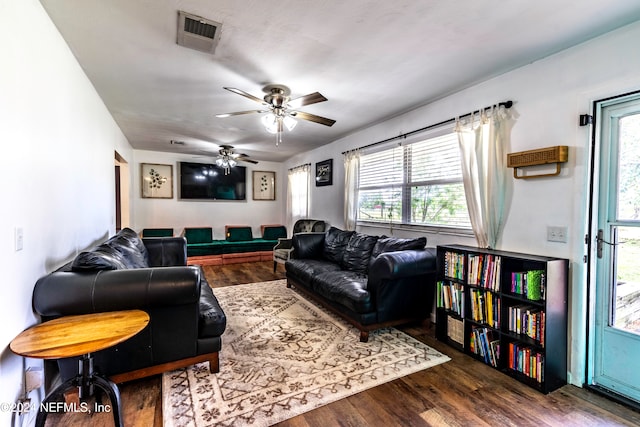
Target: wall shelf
{"x":541,"y":156}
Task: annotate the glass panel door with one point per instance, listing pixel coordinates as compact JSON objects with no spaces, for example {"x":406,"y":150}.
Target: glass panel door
{"x":617,"y":318}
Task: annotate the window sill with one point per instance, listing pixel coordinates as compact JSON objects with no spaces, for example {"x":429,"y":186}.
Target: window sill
{"x":451,"y":231}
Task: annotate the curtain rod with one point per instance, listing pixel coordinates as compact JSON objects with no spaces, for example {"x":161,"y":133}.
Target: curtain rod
{"x":299,"y":166}
{"x":506,"y":104}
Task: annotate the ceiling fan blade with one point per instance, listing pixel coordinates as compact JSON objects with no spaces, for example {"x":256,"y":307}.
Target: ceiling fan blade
{"x":313,"y":118}
{"x":238,"y":113}
{"x":312,"y":98}
{"x":242,"y":159}
{"x":245,"y":94}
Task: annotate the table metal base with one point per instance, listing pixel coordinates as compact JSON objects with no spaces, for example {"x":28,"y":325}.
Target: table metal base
{"x":86,"y":380}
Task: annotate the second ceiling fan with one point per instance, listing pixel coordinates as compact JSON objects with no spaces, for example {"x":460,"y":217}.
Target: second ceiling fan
{"x":281,"y":111}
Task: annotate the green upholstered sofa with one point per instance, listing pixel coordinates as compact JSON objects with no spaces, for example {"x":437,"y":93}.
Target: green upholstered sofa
{"x":239,"y":244}
{"x":156,"y":232}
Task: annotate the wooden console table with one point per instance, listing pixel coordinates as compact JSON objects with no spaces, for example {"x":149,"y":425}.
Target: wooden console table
{"x":81,"y":335}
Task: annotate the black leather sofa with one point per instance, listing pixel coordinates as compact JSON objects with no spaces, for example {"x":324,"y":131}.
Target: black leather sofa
{"x":126,"y":272}
{"x":371,"y":281}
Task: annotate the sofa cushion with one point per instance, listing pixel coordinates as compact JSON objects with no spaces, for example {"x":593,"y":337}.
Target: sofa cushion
{"x":358,"y":252}
{"x":308,"y":245}
{"x":98,"y":259}
{"x":335,"y":242}
{"x":274,"y":233}
{"x":239,"y":234}
{"x":198,"y":234}
{"x":306,"y":269}
{"x":346,"y":288}
{"x":157,"y":232}
{"x":122,"y":251}
{"x":212,"y":321}
{"x":129,"y":244}
{"x":391,"y":244}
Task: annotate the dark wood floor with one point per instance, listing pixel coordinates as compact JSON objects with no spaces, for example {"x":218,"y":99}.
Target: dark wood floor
{"x":462,"y":392}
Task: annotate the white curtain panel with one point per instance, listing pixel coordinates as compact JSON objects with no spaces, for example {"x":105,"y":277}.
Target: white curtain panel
{"x":298,"y":194}
{"x":351,"y":184}
{"x":483,"y":141}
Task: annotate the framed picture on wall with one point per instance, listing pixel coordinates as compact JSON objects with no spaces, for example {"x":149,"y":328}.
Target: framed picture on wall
{"x":324,"y":173}
{"x":156,"y":181}
{"x":264,"y":185}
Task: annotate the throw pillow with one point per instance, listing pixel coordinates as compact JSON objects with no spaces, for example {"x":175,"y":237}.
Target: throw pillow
{"x":198,"y":234}
{"x":358,"y":252}
{"x":274,"y":233}
{"x":335,"y":241}
{"x":239,"y":234}
{"x":390,"y":244}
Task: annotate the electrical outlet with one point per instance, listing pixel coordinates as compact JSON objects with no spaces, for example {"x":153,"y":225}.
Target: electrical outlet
{"x":34,"y":378}
{"x":557,"y":234}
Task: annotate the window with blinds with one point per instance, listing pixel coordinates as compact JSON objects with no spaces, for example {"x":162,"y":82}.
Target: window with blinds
{"x":418,"y":183}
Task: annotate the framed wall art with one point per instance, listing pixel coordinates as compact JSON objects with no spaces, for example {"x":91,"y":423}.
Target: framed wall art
{"x":156,"y":181}
{"x":264,"y":185}
{"x":324,"y":173}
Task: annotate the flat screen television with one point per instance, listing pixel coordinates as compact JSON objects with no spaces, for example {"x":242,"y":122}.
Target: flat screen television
{"x":208,"y":181}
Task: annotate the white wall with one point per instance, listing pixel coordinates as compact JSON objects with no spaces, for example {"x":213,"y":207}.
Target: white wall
{"x":58,"y":174}
{"x":549,"y":95}
{"x":178,"y":214}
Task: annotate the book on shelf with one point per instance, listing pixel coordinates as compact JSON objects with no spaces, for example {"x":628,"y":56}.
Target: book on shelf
{"x":484,"y":344}
{"x":527,"y":320}
{"x":530,"y":284}
{"x":454,"y":265}
{"x":485,"y":307}
{"x":527,"y":361}
{"x":450,"y":296}
{"x":484,"y":271}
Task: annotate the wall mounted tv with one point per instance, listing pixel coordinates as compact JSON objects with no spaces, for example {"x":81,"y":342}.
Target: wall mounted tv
{"x":208,"y":181}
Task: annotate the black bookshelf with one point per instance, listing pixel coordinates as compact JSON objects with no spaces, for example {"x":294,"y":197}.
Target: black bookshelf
{"x":506,"y":309}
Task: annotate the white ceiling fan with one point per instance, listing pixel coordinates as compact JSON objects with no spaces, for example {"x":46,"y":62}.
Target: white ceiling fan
{"x":281,"y":111}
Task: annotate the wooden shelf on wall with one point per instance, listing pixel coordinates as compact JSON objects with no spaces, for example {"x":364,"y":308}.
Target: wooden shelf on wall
{"x":541,"y":156}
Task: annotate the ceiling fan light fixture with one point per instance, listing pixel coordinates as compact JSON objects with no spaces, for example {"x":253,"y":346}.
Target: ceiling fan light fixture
{"x":270,"y":122}
{"x":226,"y":163}
{"x":289,"y":122}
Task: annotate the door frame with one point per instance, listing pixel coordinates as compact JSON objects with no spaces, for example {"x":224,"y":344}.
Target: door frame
{"x":591,"y":245}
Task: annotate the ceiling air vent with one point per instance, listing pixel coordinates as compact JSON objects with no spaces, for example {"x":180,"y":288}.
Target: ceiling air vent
{"x":198,"y":33}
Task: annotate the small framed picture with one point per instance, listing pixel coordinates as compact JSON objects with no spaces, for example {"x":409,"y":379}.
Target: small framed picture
{"x":264,"y":185}
{"x":156,"y":181}
{"x":324,"y":173}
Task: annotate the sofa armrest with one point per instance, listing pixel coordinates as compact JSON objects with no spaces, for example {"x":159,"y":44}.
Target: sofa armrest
{"x":308,"y":245}
{"x":395,"y":265}
{"x":70,"y":293}
{"x":166,"y":251}
{"x":402,"y":284}
{"x":284,"y":243}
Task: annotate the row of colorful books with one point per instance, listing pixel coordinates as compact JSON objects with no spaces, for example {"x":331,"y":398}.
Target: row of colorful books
{"x":450,"y":296}
{"x":526,"y":361}
{"x":485,"y":307}
{"x":530,"y":284}
{"x":484,"y":271}
{"x":454,"y":265}
{"x":483,"y":343}
{"x":527,"y":320}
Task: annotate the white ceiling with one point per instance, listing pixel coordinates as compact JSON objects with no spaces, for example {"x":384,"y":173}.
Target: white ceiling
{"x":371,"y":59}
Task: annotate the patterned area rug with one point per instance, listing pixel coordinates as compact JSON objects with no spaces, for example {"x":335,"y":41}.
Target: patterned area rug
{"x":282,"y":356}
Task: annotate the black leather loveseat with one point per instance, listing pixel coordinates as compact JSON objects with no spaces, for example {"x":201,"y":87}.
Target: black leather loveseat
{"x":126,"y":272}
{"x":371,"y":281}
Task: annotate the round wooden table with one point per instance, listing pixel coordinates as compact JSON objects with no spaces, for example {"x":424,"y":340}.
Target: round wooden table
{"x":80,"y":335}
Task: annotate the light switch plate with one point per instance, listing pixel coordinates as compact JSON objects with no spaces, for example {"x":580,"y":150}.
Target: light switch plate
{"x":19,"y":239}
